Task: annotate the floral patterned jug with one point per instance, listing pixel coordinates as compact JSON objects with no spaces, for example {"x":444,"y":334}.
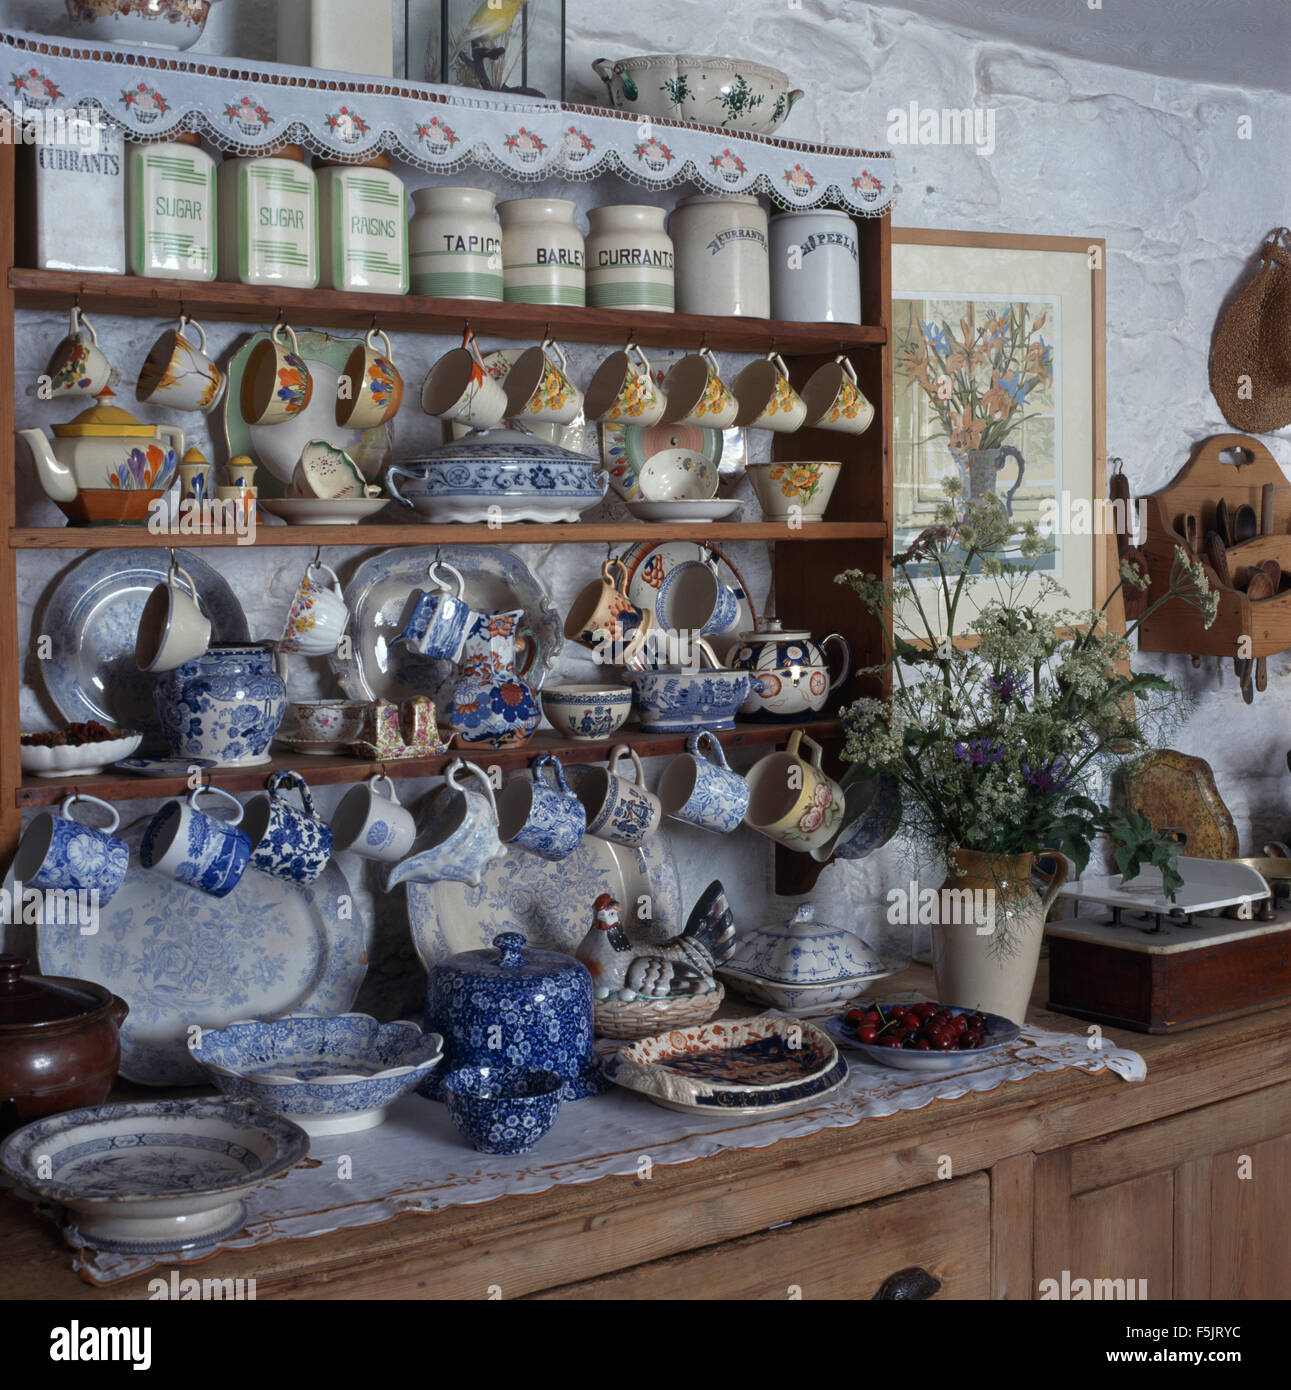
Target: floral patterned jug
{"x":492,"y":703}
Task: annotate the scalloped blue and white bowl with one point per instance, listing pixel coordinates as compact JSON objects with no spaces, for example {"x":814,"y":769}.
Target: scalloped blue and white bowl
{"x":329,"y":1075}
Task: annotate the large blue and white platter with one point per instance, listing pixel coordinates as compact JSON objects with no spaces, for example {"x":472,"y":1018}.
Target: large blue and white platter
{"x":378,"y":597}
{"x":92,"y":620}
{"x":181,"y":958}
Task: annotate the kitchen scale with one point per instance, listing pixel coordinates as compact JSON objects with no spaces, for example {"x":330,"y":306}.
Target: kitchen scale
{"x":1221,"y":949}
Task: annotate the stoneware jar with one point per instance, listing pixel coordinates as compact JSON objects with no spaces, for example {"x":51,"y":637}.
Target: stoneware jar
{"x":172,"y":209}
{"x":794,"y":670}
{"x":269,"y":220}
{"x":629,"y":259}
{"x":513,"y":1005}
{"x":543,"y":256}
{"x":225,"y":705}
{"x":722,"y":260}
{"x":815,"y":267}
{"x":455,"y":244}
{"x":60,"y":1043}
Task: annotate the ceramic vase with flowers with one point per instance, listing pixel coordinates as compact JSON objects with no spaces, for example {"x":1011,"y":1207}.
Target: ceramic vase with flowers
{"x":1002,"y":747}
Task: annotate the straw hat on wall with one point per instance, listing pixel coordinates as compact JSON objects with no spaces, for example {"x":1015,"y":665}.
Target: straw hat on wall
{"x":1250,"y":365}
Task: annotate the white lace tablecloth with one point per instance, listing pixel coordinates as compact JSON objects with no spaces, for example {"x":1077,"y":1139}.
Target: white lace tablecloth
{"x":417,"y":1162}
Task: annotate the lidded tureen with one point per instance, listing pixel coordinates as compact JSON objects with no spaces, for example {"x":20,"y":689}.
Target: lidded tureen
{"x":803,"y":966}
{"x":512,"y":1005}
{"x":507,"y":474}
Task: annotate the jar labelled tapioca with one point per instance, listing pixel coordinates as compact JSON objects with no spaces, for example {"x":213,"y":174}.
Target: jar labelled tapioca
{"x":456,"y":244}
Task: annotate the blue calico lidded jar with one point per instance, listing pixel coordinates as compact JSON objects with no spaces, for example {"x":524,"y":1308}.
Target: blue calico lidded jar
{"x":513,"y":1005}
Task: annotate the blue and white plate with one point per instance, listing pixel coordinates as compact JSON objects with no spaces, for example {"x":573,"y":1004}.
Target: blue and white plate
{"x":163,"y":767}
{"x":997,"y":1034}
{"x":377,"y":598}
{"x":92,"y":619}
{"x":548,"y":901}
{"x":181,"y":958}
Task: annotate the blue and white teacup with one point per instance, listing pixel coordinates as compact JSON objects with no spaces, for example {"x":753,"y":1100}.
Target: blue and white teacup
{"x":693,"y":599}
{"x":547,"y":821}
{"x":59,"y":853}
{"x":461,"y":832}
{"x":701,"y":792}
{"x":617,"y":809}
{"x":373,"y":824}
{"x":438,"y":622}
{"x":285,"y":842}
{"x":194,"y":848}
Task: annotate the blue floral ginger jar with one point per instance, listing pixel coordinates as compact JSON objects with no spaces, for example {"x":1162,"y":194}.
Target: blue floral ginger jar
{"x":512,"y":1005}
{"x":225,"y":705}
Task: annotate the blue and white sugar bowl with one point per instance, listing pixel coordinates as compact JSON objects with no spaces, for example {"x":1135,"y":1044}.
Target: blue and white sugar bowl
{"x":512,"y":1005}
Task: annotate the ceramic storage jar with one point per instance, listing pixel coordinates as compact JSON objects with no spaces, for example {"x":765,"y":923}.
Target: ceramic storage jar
{"x":363,"y":227}
{"x":172,"y":209}
{"x":543,"y":255}
{"x":629,"y":259}
{"x":820,"y":280}
{"x":456,"y":244}
{"x":269,"y":220}
{"x":79,"y":199}
{"x":722,"y":261}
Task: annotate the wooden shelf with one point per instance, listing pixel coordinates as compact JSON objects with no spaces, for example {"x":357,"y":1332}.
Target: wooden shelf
{"x":517,"y":533}
{"x":217,"y":299}
{"x":329,"y":771}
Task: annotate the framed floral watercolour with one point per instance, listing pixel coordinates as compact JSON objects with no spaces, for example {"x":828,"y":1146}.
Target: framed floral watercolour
{"x":998,"y":380}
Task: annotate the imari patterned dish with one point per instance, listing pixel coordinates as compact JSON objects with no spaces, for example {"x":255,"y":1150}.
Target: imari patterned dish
{"x":181,"y":957}
{"x":747,"y":1066}
{"x":503,"y":1110}
{"x":330,"y":1075}
{"x":154,"y":1176}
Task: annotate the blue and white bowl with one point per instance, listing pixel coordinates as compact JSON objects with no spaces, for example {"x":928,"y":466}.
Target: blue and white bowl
{"x":508,"y":475}
{"x":502,"y":1110}
{"x":671,"y":699}
{"x":329,"y":1075}
{"x":587,"y":712}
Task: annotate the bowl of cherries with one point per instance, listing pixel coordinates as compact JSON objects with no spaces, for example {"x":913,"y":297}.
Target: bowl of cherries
{"x":77,"y":750}
{"x":920,"y":1037}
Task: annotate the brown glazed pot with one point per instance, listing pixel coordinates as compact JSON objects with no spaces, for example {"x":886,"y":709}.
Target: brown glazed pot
{"x":60,"y":1043}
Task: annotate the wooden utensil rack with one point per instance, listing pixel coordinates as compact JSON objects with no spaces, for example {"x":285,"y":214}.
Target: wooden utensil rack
{"x":1196,"y":490}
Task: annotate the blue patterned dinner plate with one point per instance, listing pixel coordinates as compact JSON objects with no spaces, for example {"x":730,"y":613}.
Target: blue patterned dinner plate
{"x":181,"y":958}
{"x":92,"y":619}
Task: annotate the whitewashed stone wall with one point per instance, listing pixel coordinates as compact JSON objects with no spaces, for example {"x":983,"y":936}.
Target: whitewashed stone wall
{"x":1152,"y":164}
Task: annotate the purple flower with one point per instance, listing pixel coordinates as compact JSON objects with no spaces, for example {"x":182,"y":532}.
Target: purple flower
{"x":1050,"y":779}
{"x":1008,"y":686}
{"x":980,"y":752}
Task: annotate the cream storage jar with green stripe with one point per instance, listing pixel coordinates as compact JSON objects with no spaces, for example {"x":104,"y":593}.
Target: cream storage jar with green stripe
{"x":544,"y":260}
{"x":629,"y":259}
{"x":172,"y":209}
{"x":456,"y":244}
{"x":269,"y":220}
{"x":363,"y":223}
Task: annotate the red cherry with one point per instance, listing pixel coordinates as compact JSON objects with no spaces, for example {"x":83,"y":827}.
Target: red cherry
{"x":868,"y":1033}
{"x":943,"y":1043}
{"x":897,"y":1011}
{"x":890,"y":1041}
{"x":912,"y":1023}
{"x":922,"y":1045}
{"x":854,"y":1016}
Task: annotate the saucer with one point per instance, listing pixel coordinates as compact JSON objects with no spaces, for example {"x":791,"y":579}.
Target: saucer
{"x":698,"y":510}
{"x":163,"y":767}
{"x":323,"y":511}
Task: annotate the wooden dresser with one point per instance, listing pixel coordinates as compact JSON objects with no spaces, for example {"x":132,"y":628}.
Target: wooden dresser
{"x":1183,"y":1180}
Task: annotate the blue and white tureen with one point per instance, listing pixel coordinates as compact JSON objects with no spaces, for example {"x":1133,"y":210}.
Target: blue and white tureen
{"x":503,"y":474}
{"x":803,"y":966}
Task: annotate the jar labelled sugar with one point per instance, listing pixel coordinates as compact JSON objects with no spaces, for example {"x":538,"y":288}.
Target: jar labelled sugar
{"x":172,"y":209}
{"x":363,"y":225}
{"x":544,"y":260}
{"x":456,"y":244}
{"x":629,"y":259}
{"x":269,"y":220}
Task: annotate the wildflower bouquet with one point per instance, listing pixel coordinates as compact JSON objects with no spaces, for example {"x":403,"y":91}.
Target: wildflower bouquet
{"x":1003,"y":746}
{"x":978,"y":383}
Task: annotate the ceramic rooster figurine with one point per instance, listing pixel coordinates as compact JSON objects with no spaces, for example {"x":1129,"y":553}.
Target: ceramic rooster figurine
{"x":676,"y":969}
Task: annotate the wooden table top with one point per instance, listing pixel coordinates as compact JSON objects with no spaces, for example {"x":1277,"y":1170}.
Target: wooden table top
{"x":575,"y":1232}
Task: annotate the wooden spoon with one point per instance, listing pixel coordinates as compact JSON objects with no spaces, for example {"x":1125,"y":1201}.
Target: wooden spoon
{"x":1274,"y":572}
{"x":1192,"y":533}
{"x":1246,"y":525}
{"x":1260,"y":587}
{"x":1217,"y":554}
{"x":1221,"y":522}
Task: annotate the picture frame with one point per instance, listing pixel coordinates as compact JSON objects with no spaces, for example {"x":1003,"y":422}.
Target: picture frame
{"x":999,"y":377}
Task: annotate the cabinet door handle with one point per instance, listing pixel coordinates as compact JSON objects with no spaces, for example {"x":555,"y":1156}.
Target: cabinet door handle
{"x":909,"y":1283}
